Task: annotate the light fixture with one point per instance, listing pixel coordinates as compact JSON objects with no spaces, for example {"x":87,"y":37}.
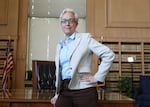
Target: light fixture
{"x":131,"y":59}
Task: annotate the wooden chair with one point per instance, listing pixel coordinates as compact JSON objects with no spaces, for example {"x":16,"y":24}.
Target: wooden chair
{"x":43,"y":75}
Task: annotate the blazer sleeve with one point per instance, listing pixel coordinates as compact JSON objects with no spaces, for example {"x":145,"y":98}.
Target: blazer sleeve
{"x":105,"y":54}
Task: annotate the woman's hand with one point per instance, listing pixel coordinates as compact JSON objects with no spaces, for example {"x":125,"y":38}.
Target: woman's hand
{"x":53,"y":100}
{"x":88,"y":78}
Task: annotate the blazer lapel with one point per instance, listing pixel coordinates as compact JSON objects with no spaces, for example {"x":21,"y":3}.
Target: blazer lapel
{"x":75,"y":45}
{"x":59,"y":46}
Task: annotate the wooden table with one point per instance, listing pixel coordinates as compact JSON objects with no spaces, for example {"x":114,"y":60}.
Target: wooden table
{"x":30,"y":98}
{"x":27,"y":98}
{"x":116,"y":100}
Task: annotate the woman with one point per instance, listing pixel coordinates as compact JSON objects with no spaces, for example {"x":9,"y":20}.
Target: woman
{"x":75,"y":84}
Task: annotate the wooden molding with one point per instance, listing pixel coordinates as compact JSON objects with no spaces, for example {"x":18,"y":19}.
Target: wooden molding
{"x":127,"y":13}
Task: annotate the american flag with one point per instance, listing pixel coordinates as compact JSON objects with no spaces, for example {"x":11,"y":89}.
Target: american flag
{"x":8,"y":66}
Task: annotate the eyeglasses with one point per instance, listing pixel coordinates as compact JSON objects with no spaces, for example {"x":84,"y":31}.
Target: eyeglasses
{"x":70,"y":21}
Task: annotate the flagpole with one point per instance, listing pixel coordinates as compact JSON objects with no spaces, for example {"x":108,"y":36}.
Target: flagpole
{"x":9,"y":37}
{"x":10,"y":76}
{"x":7,"y":69}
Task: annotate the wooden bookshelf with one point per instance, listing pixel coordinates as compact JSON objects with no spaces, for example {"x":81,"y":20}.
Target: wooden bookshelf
{"x":147,"y":58}
{"x":3,"y":46}
{"x":121,"y":67}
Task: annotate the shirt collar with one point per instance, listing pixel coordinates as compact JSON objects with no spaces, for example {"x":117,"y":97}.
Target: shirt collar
{"x":72,"y":37}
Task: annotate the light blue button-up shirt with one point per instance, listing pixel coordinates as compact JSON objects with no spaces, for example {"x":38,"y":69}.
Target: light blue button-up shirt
{"x":64,"y":56}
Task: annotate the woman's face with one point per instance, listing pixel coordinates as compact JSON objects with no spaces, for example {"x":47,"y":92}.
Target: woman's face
{"x":68,"y":23}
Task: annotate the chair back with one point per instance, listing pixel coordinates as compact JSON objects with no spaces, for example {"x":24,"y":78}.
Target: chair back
{"x":43,"y":75}
{"x":145,"y":84}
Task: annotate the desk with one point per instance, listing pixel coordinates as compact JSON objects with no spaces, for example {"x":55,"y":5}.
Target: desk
{"x":116,"y":100}
{"x":29,"y":98}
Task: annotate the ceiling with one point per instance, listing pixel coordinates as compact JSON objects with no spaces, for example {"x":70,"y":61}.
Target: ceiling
{"x":53,"y":8}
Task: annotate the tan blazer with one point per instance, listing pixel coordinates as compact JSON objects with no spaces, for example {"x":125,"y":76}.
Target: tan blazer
{"x":81,"y":61}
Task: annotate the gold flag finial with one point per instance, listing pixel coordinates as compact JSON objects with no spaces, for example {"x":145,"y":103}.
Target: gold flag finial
{"x":9,"y":38}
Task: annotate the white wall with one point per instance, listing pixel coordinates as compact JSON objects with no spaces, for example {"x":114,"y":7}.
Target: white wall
{"x":44,"y":34}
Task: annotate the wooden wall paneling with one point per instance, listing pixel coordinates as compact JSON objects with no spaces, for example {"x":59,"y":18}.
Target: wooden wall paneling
{"x":107,"y":19}
{"x":127,"y":13}
{"x":99,"y":18}
{"x":9,"y":17}
{"x":3,"y":12}
{"x":21,"y":44}
{"x":89,"y":16}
